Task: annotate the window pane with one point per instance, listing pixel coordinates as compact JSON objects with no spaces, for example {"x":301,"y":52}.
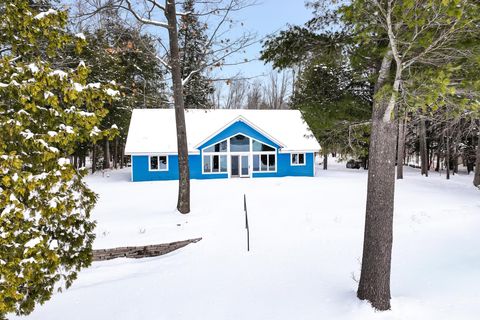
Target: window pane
{"x":264,"y":160}
{"x":245,"y":165}
{"x":235,"y":165}
{"x":301,"y":158}
{"x":294,"y":158}
{"x":216,"y":164}
{"x":256,"y":162}
{"x":206,"y":164}
{"x":163,"y":162}
{"x":239,"y":143}
{"x":154,"y":163}
{"x":271,"y":162}
{"x":223,"y":146}
{"x":223,"y":163}
{"x":209,"y":149}
{"x":258,"y":146}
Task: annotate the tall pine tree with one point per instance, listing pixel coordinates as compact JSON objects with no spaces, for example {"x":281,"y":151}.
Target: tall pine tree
{"x":120,"y":52}
{"x":194,"y":47}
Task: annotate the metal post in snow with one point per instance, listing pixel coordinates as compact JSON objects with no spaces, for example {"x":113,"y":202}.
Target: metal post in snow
{"x":246,"y":221}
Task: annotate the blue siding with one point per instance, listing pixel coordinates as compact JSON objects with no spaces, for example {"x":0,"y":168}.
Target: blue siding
{"x":285,"y":169}
{"x":140,"y":165}
{"x":141,"y":173}
{"x":140,"y":170}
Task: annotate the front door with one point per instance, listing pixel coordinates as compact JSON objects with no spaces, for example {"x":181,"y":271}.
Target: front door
{"x":244,"y":167}
{"x":239,"y":166}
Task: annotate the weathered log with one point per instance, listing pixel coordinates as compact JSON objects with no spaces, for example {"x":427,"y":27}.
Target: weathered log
{"x":141,"y":251}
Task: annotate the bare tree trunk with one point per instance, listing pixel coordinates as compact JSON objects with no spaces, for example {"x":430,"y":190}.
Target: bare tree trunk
{"x":115,"y":153}
{"x":122,"y":154}
{"x":476,"y":177}
{"x":447,"y":152}
{"x":325,"y":161}
{"x":94,"y":157}
{"x":401,"y":147}
{"x":423,"y":147}
{"x":183,"y":204}
{"x":374,"y":284}
{"x":439,"y":154}
{"x":431,"y":154}
{"x":106,"y":154}
{"x":75,"y":160}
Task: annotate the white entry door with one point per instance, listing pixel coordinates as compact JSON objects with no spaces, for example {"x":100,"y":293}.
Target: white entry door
{"x":240,"y":166}
{"x":244,"y":168}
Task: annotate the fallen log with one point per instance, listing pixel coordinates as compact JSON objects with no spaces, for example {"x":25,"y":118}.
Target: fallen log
{"x":153,"y":250}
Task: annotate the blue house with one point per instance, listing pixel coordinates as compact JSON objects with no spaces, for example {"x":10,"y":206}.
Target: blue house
{"x":222,"y":144}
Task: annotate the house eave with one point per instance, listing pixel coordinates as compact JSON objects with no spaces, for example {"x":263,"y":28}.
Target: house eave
{"x":157,"y":153}
{"x":298,"y":150}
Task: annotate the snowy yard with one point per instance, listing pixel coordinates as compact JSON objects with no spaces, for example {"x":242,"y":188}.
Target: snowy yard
{"x":306,"y":242}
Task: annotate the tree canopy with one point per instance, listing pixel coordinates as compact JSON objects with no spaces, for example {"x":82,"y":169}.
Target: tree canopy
{"x":45,"y":112}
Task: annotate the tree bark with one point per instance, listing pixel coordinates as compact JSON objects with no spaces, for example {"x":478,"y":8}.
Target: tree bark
{"x":447,"y":153}
{"x":122,"y":154}
{"x":106,"y":154}
{"x":75,"y":160}
{"x":115,"y":153}
{"x":476,"y":177}
{"x":94,"y":158}
{"x":183,"y":204}
{"x":401,"y":147}
{"x":325,"y":161}
{"x":374,"y":284}
{"x":423,"y":147}
{"x":437,"y":167}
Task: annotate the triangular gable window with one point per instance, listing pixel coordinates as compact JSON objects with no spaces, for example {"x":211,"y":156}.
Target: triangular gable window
{"x":239,"y":143}
{"x":218,"y":147}
{"x":258,"y":146}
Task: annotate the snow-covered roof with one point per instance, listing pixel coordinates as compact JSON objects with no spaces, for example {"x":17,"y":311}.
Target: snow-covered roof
{"x":154,"y":130}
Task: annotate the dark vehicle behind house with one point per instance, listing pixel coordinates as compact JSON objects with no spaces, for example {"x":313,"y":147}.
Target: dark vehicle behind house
{"x":354,"y":164}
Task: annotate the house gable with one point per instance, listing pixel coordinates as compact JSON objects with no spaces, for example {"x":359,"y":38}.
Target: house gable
{"x":239,"y":126}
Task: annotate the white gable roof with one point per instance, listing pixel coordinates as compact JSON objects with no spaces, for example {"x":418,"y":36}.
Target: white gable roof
{"x":154,"y":130}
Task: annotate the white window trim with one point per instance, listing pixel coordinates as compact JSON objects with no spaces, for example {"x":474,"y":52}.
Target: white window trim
{"x":228,"y":144}
{"x":259,"y":153}
{"x":210,"y":154}
{"x":298,"y":157}
{"x":150,"y":163}
{"x":230,"y":153}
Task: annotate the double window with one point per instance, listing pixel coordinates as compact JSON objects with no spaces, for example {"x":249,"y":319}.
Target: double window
{"x":297,"y":159}
{"x":158,"y":163}
{"x":214,"y":163}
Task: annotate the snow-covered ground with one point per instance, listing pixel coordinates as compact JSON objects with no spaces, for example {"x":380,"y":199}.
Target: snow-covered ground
{"x":306,"y":243}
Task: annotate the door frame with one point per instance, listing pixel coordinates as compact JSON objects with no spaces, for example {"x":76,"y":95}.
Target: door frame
{"x":241,"y":157}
